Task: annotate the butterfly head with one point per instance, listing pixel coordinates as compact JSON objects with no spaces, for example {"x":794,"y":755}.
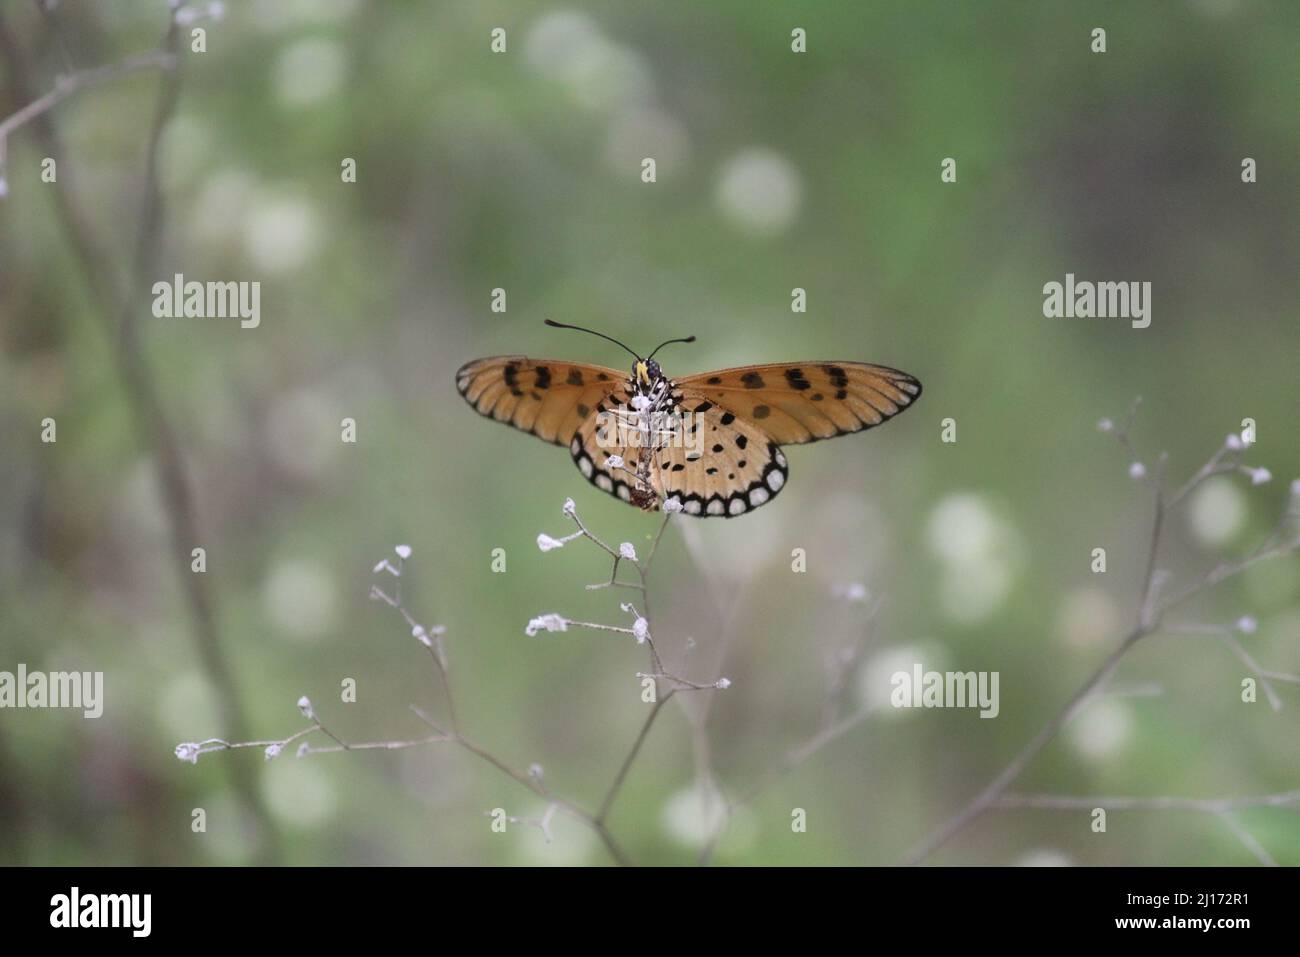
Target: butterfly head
{"x":646,"y":375}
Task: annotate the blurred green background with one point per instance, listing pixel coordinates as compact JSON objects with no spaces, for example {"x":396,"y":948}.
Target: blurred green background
{"x":775,"y":170}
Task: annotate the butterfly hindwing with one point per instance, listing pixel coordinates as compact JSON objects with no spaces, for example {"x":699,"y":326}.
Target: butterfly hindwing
{"x":796,"y":402}
{"x":592,"y":446}
{"x":717,"y":465}
{"x":548,"y":397}
{"x":723,"y":466}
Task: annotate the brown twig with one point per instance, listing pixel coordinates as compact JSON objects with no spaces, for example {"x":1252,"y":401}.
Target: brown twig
{"x":140,"y":384}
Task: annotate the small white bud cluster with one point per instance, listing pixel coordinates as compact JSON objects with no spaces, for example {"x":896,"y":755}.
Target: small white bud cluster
{"x":546,"y":543}
{"x":385,"y":565}
{"x":547,"y":622}
{"x":425,"y":636}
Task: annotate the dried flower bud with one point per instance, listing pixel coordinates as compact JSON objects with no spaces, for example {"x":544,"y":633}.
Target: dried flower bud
{"x":626,"y":550}
{"x":188,"y":752}
{"x":304,"y":705}
{"x":547,"y":622}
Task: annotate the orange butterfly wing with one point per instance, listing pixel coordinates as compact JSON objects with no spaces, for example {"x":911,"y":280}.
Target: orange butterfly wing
{"x":548,"y":397}
{"x":726,"y":460}
{"x":725,"y":465}
{"x":717,"y":465}
{"x":796,"y":402}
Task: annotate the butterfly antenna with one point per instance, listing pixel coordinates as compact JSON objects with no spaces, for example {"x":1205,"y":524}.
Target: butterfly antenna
{"x":561,"y":325}
{"x":669,"y":343}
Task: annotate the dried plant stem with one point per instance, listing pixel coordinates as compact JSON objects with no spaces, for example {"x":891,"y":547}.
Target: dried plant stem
{"x":535,"y":784}
{"x":70,"y":83}
{"x":617,"y":784}
{"x":597,"y":822}
{"x":138,"y":378}
{"x":1061,"y":802}
{"x":994,"y":789}
{"x":1151,"y":612}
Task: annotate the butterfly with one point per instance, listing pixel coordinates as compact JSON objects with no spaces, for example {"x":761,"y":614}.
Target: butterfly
{"x":708,"y":444}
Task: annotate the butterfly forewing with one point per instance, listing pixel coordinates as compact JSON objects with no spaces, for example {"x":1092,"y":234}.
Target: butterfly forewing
{"x":795,"y":402}
{"x":548,"y":397}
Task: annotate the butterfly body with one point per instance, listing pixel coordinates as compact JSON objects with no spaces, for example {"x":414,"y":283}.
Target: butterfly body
{"x":708,"y":444}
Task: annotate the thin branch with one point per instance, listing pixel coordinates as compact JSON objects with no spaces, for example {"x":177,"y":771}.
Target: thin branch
{"x":140,"y":385}
{"x":1247,"y":839}
{"x":69,"y":84}
{"x":1150,"y":612}
{"x":616,"y":785}
{"x":1062,"y":802}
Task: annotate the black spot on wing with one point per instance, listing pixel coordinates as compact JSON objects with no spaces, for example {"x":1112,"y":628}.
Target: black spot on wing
{"x":796,"y":379}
